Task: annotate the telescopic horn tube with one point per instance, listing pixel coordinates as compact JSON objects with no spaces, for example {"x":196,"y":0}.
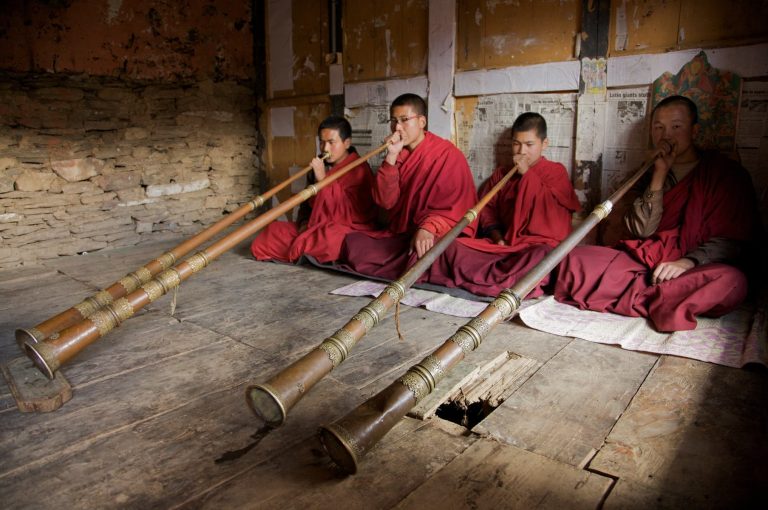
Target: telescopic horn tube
{"x":136,"y":279}
{"x":50,"y":354}
{"x":347,"y":440}
{"x":272,"y":401}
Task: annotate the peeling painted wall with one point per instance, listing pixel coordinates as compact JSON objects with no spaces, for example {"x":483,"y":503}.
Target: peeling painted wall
{"x":136,"y":39}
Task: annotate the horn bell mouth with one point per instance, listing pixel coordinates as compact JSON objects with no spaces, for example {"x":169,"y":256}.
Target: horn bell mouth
{"x":36,"y":352}
{"x":26,"y":336}
{"x":266,"y":404}
{"x":339,"y":449}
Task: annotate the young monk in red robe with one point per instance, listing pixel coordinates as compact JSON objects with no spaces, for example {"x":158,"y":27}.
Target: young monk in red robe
{"x":341,"y":207}
{"x":424,"y":186}
{"x":696,"y":223}
{"x":523,"y":221}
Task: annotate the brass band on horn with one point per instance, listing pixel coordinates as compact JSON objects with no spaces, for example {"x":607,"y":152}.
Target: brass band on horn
{"x":132,"y":281}
{"x":272,"y":401}
{"x":50,"y":354}
{"x":348,"y":439}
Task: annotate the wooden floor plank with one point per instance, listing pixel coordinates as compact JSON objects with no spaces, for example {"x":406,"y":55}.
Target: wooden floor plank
{"x":103,"y":268}
{"x":567,"y":408}
{"x":303,"y":478}
{"x":142,"y":341}
{"x":118,"y":402}
{"x":626,"y":494}
{"x":694,"y":430}
{"x":224,"y":301}
{"x":494,"y":475}
{"x":168,"y":458}
{"x":158,"y":400}
{"x":515,"y":337}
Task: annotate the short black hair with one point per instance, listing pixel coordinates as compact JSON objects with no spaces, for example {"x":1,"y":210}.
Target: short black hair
{"x":528,"y":121}
{"x":418,"y":104}
{"x":682,"y":100}
{"x":340,"y":124}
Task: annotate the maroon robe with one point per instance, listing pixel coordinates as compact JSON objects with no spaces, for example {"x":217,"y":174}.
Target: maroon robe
{"x":533,"y":210}
{"x":341,"y":207}
{"x":715,"y":199}
{"x":430,"y":188}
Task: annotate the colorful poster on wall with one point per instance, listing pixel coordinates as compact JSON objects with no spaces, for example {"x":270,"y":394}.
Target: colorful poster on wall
{"x":715,"y":92}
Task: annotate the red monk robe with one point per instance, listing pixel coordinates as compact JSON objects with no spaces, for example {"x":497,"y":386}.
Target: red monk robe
{"x":341,"y":207}
{"x":715,"y":200}
{"x":430,"y":188}
{"x":535,"y":209}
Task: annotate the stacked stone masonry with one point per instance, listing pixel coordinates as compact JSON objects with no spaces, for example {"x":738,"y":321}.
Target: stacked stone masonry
{"x":94,"y":163}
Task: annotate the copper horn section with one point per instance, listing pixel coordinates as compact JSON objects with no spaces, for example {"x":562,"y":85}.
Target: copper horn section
{"x":350,"y":438}
{"x":52,"y":353}
{"x":347,"y":440}
{"x":133,"y":281}
{"x":273,"y":400}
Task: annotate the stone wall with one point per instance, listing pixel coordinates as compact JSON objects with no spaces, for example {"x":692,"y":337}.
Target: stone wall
{"x":89,"y":162}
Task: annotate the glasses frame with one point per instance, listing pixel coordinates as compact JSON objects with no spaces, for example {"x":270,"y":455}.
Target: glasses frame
{"x":402,"y":120}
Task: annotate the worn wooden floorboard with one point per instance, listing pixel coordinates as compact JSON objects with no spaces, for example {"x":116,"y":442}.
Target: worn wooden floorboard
{"x":120,"y":401}
{"x":158,"y":400}
{"x":696,"y":431}
{"x":140,"y":342}
{"x":495,"y":475}
{"x":304,"y":478}
{"x":168,"y":458}
{"x":230,"y":304}
{"x":627,"y":495}
{"x":105,"y":267}
{"x":567,"y":408}
{"x":522,"y":340}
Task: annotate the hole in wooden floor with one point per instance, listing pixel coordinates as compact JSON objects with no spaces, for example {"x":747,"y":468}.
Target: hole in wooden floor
{"x":466,"y":415}
{"x":485,"y":389}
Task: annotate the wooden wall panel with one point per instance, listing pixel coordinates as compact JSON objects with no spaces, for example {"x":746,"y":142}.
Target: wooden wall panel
{"x":309,"y":26}
{"x":501,"y":34}
{"x":384,"y":39}
{"x":470,"y":29}
{"x":653,"y":26}
{"x":712,"y":22}
{"x":648,"y":26}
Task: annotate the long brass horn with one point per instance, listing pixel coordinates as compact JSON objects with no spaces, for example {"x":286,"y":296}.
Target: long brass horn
{"x":272,"y":400}
{"x":50,"y":354}
{"x":347,"y":440}
{"x":136,"y":279}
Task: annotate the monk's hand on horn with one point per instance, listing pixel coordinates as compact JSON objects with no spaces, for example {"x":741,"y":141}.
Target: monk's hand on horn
{"x":421,"y":242}
{"x":522,"y":162}
{"x":666,"y":152}
{"x":318,"y":167}
{"x":670,"y":270}
{"x":395,"y":146}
